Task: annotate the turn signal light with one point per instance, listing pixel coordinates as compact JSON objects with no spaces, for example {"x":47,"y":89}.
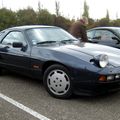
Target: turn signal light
{"x":102,"y":78}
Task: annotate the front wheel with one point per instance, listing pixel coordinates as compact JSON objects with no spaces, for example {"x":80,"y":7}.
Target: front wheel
{"x":57,"y":81}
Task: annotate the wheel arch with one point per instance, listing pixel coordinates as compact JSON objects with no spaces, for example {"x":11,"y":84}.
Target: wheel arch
{"x":49,"y":63}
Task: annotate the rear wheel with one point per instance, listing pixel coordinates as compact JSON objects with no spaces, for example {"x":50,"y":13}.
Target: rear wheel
{"x":58,"y":82}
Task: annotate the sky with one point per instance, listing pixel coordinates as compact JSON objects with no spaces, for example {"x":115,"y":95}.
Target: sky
{"x":69,"y":8}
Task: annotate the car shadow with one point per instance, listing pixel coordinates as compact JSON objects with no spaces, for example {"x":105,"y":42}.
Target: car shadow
{"x":37,"y":82}
{"x":23,"y":78}
{"x":99,"y":98}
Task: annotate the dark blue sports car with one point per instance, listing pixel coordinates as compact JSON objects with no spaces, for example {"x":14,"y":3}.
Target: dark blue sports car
{"x":64,"y":64}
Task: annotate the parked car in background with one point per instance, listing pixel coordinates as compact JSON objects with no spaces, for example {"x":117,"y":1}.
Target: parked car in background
{"x":64,"y":64}
{"x":109,"y":36}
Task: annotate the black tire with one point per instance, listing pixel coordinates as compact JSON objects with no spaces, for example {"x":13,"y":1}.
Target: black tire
{"x":57,"y":81}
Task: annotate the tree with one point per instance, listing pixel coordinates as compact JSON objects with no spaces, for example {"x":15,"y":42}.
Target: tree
{"x":103,"y":22}
{"x":44,"y":17}
{"x":86,"y":10}
{"x":26,"y":17}
{"x":115,"y":23}
{"x":107,"y":15}
{"x":7,"y":18}
{"x":62,"y":22}
{"x":57,"y":8}
{"x":39,"y":6}
{"x":91,"y":23}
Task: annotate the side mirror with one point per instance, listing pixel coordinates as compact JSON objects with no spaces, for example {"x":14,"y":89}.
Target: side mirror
{"x":115,"y":38}
{"x":17,"y":44}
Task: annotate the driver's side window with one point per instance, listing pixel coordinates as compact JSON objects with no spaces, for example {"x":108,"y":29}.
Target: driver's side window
{"x":103,"y":35}
{"x":14,"y":36}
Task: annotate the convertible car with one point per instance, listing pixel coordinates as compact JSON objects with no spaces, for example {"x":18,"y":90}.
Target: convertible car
{"x":65,"y":65}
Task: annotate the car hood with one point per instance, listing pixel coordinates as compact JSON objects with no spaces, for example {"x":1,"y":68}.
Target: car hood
{"x":87,"y":51}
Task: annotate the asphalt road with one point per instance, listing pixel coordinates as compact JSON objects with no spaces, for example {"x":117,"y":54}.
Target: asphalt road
{"x":31,"y":93}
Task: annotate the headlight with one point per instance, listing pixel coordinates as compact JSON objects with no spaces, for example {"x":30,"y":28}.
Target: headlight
{"x":103,"y":60}
{"x":100,"y":60}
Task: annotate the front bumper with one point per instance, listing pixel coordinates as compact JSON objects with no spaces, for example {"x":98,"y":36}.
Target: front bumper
{"x":87,"y":82}
{"x":90,"y":89}
{"x":108,"y":86}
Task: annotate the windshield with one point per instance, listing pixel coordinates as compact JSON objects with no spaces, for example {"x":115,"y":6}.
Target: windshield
{"x":41,"y":35}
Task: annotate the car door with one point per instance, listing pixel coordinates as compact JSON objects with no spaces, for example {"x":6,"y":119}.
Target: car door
{"x":15,"y":58}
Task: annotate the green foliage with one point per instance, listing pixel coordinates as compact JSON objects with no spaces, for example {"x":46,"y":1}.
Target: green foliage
{"x":86,"y":10}
{"x":91,"y":23}
{"x":62,"y":22}
{"x":104,"y":22}
{"x":26,"y":17}
{"x":115,"y":23}
{"x":7,"y":18}
{"x":44,"y":17}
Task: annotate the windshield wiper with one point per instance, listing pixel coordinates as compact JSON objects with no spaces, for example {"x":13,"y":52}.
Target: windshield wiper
{"x":46,"y":42}
{"x":68,"y":40}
